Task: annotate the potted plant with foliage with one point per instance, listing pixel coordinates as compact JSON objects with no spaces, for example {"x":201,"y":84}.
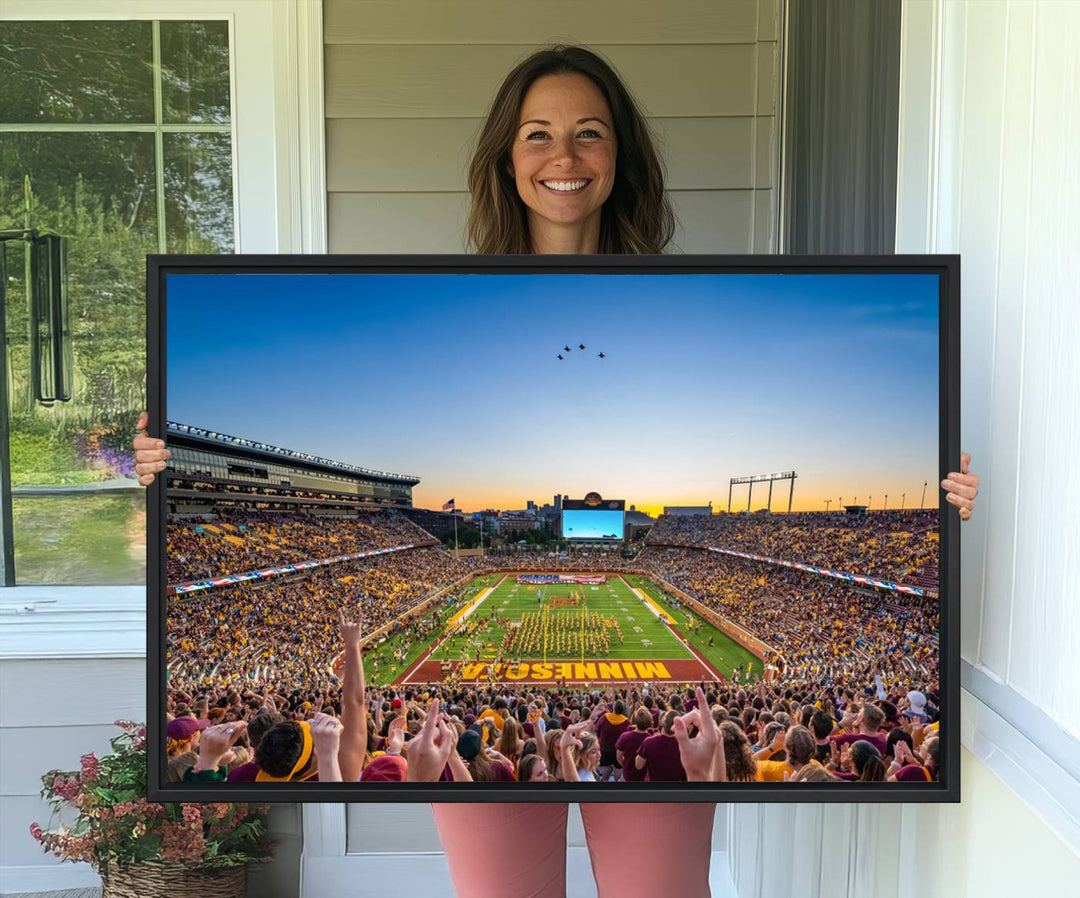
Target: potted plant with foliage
{"x":142,"y":848}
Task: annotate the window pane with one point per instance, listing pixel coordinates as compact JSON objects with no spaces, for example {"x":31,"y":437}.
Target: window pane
{"x":195,"y":71}
{"x":112,"y":174}
{"x":98,"y":191}
{"x":198,"y":193}
{"x":76,"y":72}
{"x":81,"y":539}
{"x":78,"y":512}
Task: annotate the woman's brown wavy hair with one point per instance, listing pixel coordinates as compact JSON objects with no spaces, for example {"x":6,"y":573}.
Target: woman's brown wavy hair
{"x":741,"y":766}
{"x":637,"y":216}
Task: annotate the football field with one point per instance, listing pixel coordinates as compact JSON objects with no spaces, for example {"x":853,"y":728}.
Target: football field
{"x":624,"y":630}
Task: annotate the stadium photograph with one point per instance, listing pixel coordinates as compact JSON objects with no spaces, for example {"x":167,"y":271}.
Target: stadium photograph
{"x":663,"y":528}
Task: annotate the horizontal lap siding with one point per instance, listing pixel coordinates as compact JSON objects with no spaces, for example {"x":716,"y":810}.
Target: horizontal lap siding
{"x":596,"y":22}
{"x":380,"y":155}
{"x":453,"y":81}
{"x":408,"y":84}
{"x":80,"y":699}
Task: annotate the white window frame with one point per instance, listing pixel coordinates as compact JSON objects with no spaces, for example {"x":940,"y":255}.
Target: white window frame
{"x":279,"y":199}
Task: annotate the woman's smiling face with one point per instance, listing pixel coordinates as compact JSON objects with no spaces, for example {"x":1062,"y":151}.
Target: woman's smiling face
{"x":563,"y":155}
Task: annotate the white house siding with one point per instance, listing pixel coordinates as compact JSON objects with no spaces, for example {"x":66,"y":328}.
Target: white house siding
{"x":56,"y":709}
{"x":53,"y":711}
{"x":408,"y":84}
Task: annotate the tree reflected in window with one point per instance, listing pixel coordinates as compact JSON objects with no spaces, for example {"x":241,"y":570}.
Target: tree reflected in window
{"x":118,"y":137}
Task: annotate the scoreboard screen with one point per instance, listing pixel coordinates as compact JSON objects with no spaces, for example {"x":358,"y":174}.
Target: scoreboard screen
{"x":592,"y":525}
{"x":594,"y":518}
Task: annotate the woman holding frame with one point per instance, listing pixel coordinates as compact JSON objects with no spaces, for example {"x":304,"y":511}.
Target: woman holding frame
{"x":565,"y":164}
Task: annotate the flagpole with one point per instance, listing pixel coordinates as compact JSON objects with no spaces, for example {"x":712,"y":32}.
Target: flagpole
{"x":454,"y":512}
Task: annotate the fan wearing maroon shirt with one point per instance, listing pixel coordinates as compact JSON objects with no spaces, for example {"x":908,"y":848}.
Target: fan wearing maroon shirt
{"x":650,"y":704}
{"x":609,"y":728}
{"x":659,"y":754}
{"x":626,"y":748}
{"x":563,"y":715}
{"x":867,"y":725}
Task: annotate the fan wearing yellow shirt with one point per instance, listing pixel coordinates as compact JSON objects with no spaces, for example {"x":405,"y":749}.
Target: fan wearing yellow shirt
{"x":767,"y":769}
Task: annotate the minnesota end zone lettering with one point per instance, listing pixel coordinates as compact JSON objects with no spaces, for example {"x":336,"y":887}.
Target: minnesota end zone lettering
{"x":673,"y":670}
{"x":572,"y":670}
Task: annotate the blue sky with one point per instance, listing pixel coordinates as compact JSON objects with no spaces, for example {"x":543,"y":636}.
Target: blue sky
{"x":455,"y":378}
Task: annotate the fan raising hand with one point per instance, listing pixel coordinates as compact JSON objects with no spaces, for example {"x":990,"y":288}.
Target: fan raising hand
{"x":702,"y":755}
{"x":430,"y":750}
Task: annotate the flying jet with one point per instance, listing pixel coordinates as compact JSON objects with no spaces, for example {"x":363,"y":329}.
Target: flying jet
{"x":603,"y":356}
{"x":581,"y":345}
{"x":559,"y":357}
{"x":566,"y":349}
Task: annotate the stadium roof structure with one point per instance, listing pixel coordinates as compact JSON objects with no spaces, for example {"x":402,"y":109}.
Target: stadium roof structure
{"x":684,"y":510}
{"x":213,"y":439}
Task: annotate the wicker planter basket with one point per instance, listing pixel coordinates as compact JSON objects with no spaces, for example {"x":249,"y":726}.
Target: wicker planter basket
{"x":151,"y":880}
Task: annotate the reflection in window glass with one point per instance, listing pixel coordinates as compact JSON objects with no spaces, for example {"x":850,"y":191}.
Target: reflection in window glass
{"x":65,"y":72}
{"x":79,"y":514}
{"x":198,"y":193}
{"x":97,"y":190}
{"x":195,"y":71}
{"x":81,"y":184}
{"x":85,"y":539}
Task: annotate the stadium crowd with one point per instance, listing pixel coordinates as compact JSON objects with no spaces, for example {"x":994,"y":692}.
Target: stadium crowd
{"x":797,"y":731}
{"x":891,"y":545}
{"x":820,"y":626}
{"x":199,"y":548}
{"x":277,"y":631}
{"x":257,"y":657}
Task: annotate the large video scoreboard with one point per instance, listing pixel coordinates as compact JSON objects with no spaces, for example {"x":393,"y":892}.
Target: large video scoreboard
{"x":594,"y":519}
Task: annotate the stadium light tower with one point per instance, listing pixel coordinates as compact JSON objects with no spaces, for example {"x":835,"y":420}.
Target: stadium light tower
{"x":922,"y":503}
{"x":828,"y":502}
{"x":761,"y":478}
{"x":903,"y":496}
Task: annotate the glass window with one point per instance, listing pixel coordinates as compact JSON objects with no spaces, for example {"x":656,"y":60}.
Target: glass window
{"x":118,"y":137}
{"x":195,"y":72}
{"x":76,"y":72}
{"x":198,"y":193}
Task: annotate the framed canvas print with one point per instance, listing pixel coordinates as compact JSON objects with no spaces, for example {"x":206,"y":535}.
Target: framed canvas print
{"x":459,"y":528}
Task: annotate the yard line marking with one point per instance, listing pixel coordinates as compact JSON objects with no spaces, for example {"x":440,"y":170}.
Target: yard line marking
{"x":467,"y":611}
{"x":652,"y":606}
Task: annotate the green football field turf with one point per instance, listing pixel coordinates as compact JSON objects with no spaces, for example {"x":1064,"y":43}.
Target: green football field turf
{"x":644,"y":636}
{"x":611,"y":600}
{"x":725,"y":654}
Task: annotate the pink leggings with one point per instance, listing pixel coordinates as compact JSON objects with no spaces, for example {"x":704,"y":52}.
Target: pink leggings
{"x":495,"y":850}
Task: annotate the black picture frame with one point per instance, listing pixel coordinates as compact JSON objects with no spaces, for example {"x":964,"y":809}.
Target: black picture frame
{"x":947,"y":789}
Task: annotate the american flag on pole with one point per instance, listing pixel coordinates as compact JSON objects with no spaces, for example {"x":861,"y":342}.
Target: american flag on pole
{"x":448,"y":506}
